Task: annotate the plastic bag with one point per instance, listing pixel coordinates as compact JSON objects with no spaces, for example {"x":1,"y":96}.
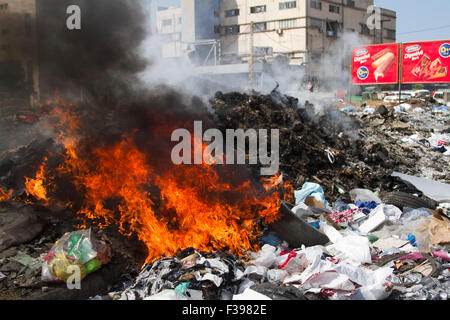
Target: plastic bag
{"x":266,"y":257}
{"x":415,"y":227}
{"x":365,"y":195}
{"x":77,"y":249}
{"x":414,"y":214}
{"x":310,"y":189}
{"x":378,"y":216}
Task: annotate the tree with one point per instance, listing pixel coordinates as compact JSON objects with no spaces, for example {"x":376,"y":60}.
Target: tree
{"x":417,"y":86}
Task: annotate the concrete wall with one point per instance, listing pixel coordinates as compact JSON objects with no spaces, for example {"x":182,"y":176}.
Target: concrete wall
{"x":300,"y":39}
{"x":199,"y":19}
{"x":172,"y":33}
{"x":206,"y":18}
{"x":285,"y":28}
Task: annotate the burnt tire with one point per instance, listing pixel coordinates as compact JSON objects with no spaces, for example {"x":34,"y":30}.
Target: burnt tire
{"x":403,"y":199}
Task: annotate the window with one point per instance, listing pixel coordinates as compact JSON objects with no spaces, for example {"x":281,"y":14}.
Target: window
{"x":390,"y":34}
{"x":351,"y":3}
{"x":232,"y":29}
{"x":232,"y":13}
{"x":260,"y":26}
{"x":258,"y":9}
{"x":316,"y":23}
{"x":28,"y":27}
{"x":262,"y":51}
{"x":180,"y":20}
{"x":333,"y":27}
{"x":286,"y":24}
{"x":365,"y":29}
{"x":334,"y":9}
{"x":3,"y":6}
{"x":316,"y":5}
{"x":288,"y":5}
{"x":166,"y":22}
{"x":217,"y":29}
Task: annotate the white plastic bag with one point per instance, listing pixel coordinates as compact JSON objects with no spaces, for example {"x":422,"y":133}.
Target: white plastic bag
{"x":266,"y":257}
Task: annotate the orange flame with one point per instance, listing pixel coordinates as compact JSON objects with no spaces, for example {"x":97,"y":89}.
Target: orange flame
{"x":5,"y":197}
{"x":184,"y":206}
{"x":36,"y":187}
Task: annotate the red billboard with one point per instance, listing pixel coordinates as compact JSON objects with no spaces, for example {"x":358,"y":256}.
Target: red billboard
{"x":375,"y":64}
{"x":426,"y":62}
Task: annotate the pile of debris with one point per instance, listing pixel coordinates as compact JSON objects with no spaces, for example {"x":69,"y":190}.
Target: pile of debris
{"x":419,"y":137}
{"x":372,"y":251}
{"x":338,"y":150}
{"x":358,"y":229}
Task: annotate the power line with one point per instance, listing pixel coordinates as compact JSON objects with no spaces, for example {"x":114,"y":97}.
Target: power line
{"x":277,"y":42}
{"x":430,"y":29}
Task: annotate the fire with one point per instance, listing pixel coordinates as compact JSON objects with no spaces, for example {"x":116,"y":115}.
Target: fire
{"x":5,"y":196}
{"x":36,"y":187}
{"x":168,"y":208}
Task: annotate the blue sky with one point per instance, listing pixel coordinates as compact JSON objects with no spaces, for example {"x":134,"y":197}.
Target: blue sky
{"x":417,"y":20}
{"x":169,"y":3}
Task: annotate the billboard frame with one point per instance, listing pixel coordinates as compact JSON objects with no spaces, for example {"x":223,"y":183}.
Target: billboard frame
{"x":401,"y":61}
{"x":377,"y":83}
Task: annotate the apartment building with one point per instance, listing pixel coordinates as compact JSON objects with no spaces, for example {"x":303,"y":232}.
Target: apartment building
{"x":18,"y":44}
{"x":302,"y":30}
{"x":193,"y":30}
{"x":169,"y":23}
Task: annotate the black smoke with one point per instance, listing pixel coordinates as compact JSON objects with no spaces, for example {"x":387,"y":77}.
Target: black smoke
{"x":101,"y":60}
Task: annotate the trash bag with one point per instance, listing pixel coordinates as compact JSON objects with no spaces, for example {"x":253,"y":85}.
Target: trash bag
{"x":77,"y":249}
{"x":364,"y":195}
{"x":310,"y":189}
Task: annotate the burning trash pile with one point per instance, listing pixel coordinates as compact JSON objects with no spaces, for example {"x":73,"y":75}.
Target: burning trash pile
{"x":120,"y":175}
{"x":334,"y":224}
{"x":366,"y":250}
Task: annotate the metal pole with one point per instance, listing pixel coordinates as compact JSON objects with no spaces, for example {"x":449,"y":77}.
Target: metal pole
{"x":250,"y":63}
{"x":381,"y":34}
{"x":215,"y":53}
{"x":400,"y":76}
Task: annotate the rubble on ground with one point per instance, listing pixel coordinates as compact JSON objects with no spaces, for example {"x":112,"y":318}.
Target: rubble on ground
{"x":366,"y":147}
{"x":370,"y":234}
{"x":377,"y":252}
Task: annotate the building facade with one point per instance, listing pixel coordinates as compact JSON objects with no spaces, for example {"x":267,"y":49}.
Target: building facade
{"x":302,"y":30}
{"x":169,"y":23}
{"x":191,"y":30}
{"x":18,"y":44}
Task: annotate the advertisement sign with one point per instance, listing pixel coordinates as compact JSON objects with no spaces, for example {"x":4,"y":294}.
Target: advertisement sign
{"x":375,"y":64}
{"x":426,"y":62}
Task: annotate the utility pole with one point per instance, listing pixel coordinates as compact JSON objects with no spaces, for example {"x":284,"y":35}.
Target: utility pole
{"x":250,"y":62}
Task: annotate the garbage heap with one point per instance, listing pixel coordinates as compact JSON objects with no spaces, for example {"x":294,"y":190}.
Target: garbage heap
{"x":417,"y":134}
{"x":347,"y":236}
{"x":371,"y":251}
{"x":341,"y":148}
{"x":340,"y":240}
